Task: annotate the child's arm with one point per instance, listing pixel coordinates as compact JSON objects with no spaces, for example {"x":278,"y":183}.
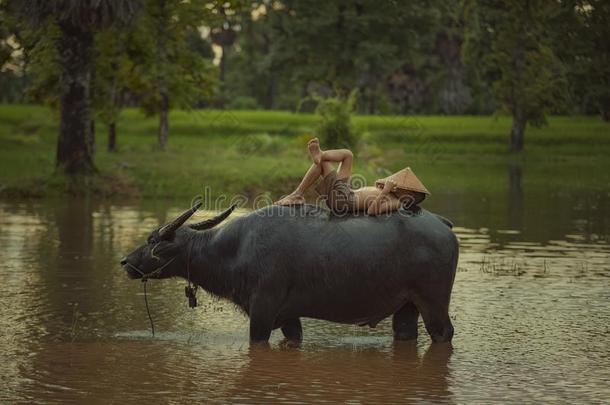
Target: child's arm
{"x":384,"y":202}
{"x":388,"y":204}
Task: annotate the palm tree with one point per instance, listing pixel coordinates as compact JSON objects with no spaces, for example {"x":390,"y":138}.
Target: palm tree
{"x":77,"y":20}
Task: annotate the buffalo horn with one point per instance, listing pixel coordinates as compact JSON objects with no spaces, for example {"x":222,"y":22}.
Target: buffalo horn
{"x":176,"y":223}
{"x":212,"y":222}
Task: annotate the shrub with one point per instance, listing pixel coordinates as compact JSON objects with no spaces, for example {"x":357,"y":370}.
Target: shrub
{"x":335,"y":128}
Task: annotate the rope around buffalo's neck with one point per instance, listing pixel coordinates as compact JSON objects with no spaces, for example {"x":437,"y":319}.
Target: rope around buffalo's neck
{"x":145,"y":278}
{"x":191,"y":292}
{"x":152,"y":325}
{"x":156,"y":272}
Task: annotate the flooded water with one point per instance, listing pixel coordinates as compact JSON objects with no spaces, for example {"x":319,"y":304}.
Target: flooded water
{"x":531,"y":311}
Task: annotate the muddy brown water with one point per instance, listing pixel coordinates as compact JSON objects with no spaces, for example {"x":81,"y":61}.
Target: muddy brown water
{"x":531,"y":310}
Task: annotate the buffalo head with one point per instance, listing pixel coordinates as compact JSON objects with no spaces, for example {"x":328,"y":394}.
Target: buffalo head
{"x":162,"y":254}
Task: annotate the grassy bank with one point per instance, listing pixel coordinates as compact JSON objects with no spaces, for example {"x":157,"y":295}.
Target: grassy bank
{"x":254,"y":152}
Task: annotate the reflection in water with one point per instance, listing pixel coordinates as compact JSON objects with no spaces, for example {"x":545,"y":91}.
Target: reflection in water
{"x":515,"y":196}
{"x":74,"y":227}
{"x":124,"y":370}
{"x":368,"y":375}
{"x":530,"y":307}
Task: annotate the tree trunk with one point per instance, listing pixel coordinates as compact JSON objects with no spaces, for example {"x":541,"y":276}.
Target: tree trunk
{"x":163,"y":121}
{"x":517,"y":132}
{"x":223,"y":67}
{"x":91,"y":139}
{"x":112,"y":137}
{"x":270,"y":92}
{"x":163,"y":61}
{"x":74,"y":146}
{"x":115,"y":100}
{"x":518,"y":94}
{"x":223,"y":63}
{"x":605,"y":111}
{"x":372,"y":104}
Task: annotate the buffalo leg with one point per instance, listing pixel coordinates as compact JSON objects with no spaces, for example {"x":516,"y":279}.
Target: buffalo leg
{"x":435,"y":314}
{"x":262,"y":319}
{"x":292,"y":330}
{"x":440,"y":328}
{"x":260,"y":328}
{"x":404,"y":322}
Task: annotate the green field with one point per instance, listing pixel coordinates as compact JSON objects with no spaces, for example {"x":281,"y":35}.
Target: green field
{"x":254,"y":152}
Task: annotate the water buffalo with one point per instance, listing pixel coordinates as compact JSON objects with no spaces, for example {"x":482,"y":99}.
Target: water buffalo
{"x":282,"y":263}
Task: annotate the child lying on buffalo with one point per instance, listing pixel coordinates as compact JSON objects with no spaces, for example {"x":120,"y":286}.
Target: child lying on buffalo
{"x":401,"y":188}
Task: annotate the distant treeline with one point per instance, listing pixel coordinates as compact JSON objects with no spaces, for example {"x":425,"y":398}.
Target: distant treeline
{"x":432,"y":57}
{"x":528,"y":58}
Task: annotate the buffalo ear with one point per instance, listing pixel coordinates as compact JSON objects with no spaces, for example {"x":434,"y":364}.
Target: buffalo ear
{"x":210,"y":223}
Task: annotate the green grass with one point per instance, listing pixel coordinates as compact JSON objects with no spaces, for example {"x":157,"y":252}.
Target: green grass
{"x":254,"y":152}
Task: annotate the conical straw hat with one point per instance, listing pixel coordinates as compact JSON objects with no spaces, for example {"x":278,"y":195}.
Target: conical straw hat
{"x":406,"y":180}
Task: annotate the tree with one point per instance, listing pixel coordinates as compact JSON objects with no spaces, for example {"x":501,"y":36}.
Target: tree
{"x":77,"y":21}
{"x":28,"y":58}
{"x":509,"y":41}
{"x":452,"y":91}
{"x":252,"y":71}
{"x":225,"y":19}
{"x":113,"y":70}
{"x":167,"y":71}
{"x":580,"y":40}
{"x":8,"y":65}
{"x":596,"y":63}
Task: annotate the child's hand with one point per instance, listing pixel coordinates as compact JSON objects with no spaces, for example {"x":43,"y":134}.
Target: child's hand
{"x":389,"y":186}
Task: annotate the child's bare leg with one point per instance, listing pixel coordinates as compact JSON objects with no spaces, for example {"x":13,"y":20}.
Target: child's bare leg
{"x":296,"y":197}
{"x":314,"y":151}
{"x":344,"y":156}
{"x":326,"y":168}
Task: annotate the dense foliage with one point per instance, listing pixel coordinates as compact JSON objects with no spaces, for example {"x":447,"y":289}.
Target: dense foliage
{"x":403,"y":57}
{"x":526,"y":58}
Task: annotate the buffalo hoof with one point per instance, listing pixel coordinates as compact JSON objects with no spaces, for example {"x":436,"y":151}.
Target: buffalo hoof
{"x":290,"y":344}
{"x":445,"y":337}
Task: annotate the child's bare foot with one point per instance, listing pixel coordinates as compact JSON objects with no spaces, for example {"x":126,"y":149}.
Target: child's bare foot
{"x":314,"y":150}
{"x":292,"y":199}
